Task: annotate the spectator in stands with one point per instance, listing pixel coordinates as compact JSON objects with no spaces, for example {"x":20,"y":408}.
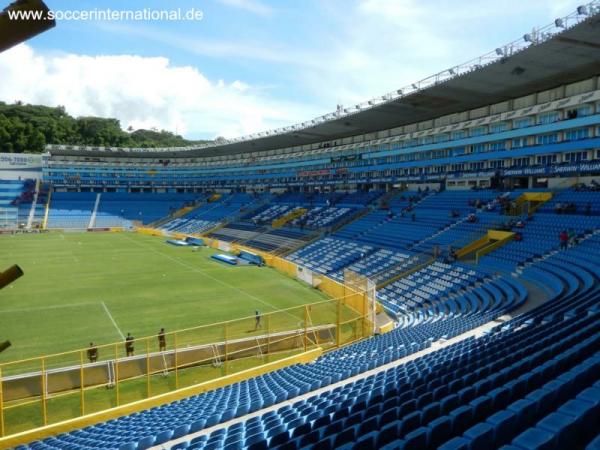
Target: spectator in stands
{"x":413,"y":217}
{"x":520,"y":224}
{"x":558,"y":208}
{"x":588,"y":209}
{"x":92,"y":353}
{"x":563,"y":237}
{"x":472,"y":218}
{"x":162,"y":340}
{"x":518,"y":237}
{"x":489,"y":206}
{"x":451,"y":254}
{"x":257,"y":318}
{"x":436,"y":251}
{"x":572,"y":237}
{"x":129,"y":341}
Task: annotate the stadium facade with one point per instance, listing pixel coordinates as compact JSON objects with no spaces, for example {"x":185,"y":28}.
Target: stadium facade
{"x":529,"y":115}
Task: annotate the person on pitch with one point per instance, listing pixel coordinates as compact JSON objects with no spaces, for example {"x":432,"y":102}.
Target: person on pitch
{"x":257,"y":317}
{"x":162,"y":340}
{"x":92,"y":353}
{"x":129,"y":341}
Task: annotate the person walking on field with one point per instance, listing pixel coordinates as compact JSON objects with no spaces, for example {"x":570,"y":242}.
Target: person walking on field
{"x":129,"y":341}
{"x":162,"y":340}
{"x":92,"y":353}
{"x":257,"y":317}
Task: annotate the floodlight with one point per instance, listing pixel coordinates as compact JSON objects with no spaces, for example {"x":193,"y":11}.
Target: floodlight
{"x":582,"y":10}
{"x":452,"y":72}
{"x":499,"y":52}
{"x":528,"y":38}
{"x":414,"y":86}
{"x":559,"y":23}
{"x":357,"y":106}
{"x":399,"y":91}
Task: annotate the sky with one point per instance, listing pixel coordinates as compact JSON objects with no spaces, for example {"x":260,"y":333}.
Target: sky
{"x":252,"y":65}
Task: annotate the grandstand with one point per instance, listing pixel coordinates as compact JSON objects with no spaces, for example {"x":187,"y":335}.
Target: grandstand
{"x":458,"y":241}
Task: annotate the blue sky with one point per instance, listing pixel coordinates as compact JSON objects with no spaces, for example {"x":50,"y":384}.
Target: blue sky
{"x":252,"y":65}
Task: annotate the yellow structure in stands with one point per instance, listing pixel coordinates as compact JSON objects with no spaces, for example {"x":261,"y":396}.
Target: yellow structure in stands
{"x":529,"y":202}
{"x":294,"y":214}
{"x":47,"y":211}
{"x":492,"y":240}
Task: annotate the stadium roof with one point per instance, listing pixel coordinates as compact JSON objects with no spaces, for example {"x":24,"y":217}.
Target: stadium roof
{"x":539,"y":61}
{"x":13,"y":32}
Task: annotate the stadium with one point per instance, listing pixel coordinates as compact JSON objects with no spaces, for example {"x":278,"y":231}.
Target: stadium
{"x":417,"y":271}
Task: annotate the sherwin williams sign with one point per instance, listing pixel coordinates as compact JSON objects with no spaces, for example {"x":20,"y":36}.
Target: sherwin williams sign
{"x":14,"y":161}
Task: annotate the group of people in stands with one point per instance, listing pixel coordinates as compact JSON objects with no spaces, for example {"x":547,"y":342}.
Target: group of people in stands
{"x":582,"y":187}
{"x":567,"y":238}
{"x":93,"y":353}
{"x":571,"y":208}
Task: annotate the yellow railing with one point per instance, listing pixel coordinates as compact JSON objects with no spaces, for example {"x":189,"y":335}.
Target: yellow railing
{"x":501,"y":240}
{"x":38,"y":392}
{"x":492,"y":240}
{"x":47,"y":210}
{"x":529,"y":202}
{"x":297,"y":212}
{"x":112,"y":413}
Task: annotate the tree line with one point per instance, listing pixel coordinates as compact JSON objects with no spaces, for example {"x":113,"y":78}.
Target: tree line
{"x":28,"y":128}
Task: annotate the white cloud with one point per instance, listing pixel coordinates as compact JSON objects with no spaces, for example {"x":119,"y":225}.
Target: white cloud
{"x":142,"y":92}
{"x":253,"y":6}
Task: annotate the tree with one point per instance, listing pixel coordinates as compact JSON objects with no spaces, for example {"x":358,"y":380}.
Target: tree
{"x":28,"y":128}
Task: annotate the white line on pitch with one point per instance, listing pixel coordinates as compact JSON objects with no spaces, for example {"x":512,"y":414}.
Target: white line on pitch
{"x":112,"y":320}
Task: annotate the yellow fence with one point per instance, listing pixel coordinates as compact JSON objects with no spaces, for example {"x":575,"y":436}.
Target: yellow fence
{"x":149,"y":231}
{"x":38,"y":392}
{"x":112,"y":413}
{"x":47,"y":210}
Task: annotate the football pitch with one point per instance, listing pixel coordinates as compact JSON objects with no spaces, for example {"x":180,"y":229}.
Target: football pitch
{"x":84,"y":287}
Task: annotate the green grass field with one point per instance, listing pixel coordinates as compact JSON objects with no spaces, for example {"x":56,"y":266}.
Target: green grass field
{"x":82,"y":287}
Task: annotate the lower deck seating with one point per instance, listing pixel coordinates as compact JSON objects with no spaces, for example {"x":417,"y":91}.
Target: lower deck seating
{"x":330,"y":254}
{"x":527,"y":382}
{"x":278,"y":239}
{"x":11,"y":214}
{"x":117,"y":209}
{"x":210,"y":214}
{"x":237,"y":231}
{"x":71,"y":210}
